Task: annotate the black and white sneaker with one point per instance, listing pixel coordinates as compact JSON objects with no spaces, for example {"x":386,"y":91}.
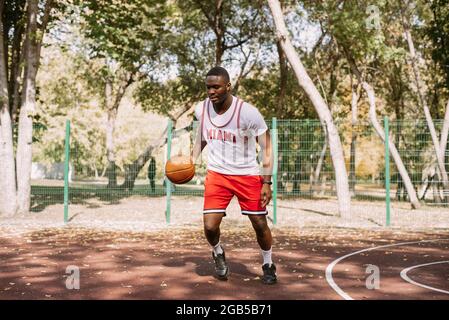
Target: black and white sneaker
{"x":221,"y":267}
{"x":269,"y":274}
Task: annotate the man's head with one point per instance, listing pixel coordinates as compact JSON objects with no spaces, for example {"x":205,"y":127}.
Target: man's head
{"x":218,"y":85}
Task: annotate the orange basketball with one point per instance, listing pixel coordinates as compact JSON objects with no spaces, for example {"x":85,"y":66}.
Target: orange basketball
{"x":180,"y":169}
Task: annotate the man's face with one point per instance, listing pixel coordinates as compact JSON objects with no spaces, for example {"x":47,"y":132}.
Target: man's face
{"x":217,"y":89}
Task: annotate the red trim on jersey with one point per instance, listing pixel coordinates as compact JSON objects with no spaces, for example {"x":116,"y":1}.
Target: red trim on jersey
{"x":208,"y":114}
{"x":238,"y":115}
{"x":202,"y":119}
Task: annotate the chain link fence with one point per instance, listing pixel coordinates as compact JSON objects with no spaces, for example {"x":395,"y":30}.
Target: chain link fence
{"x":304,"y":165}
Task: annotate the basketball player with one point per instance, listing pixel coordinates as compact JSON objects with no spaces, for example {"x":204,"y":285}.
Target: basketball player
{"x":231,"y":128}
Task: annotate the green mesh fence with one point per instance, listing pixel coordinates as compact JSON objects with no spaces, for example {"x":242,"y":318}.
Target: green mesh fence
{"x":414,"y":143}
{"x":304,"y":164}
{"x":47,"y":170}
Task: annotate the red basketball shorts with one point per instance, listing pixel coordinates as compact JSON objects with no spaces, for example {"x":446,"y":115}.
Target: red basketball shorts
{"x":220,"y":188}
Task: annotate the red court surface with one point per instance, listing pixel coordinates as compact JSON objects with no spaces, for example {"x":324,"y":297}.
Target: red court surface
{"x":176,"y":264}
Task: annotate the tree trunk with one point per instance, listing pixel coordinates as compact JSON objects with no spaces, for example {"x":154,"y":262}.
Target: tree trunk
{"x":319,"y":166}
{"x":399,"y":183}
{"x":94,"y":167}
{"x":218,"y":50}
{"x":219,"y":32}
{"x":330,"y":103}
{"x":125,"y":79}
{"x":16,"y":71}
{"x":297,"y":175}
{"x":342,"y":186}
{"x":352,"y":176}
{"x":8,"y":193}
{"x":111,"y":168}
{"x":132,"y":170}
{"x":283,"y":77}
{"x":105,"y":169}
{"x":445,"y":132}
{"x":7,"y":168}
{"x":215,"y":22}
{"x":354,"y":122}
{"x":423,"y":102}
{"x":399,"y":110}
{"x":16,"y":92}
{"x":18,"y":82}
{"x":27,"y":110}
{"x":315,"y":173}
{"x":379,"y":130}
{"x":443,"y":141}
{"x":110,"y":128}
{"x":394,"y":152}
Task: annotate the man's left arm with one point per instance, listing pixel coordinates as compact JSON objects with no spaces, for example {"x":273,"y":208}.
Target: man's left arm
{"x":267,"y":166}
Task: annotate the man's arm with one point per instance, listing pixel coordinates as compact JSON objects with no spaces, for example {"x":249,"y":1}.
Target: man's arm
{"x":198,"y":146}
{"x":267,"y":166}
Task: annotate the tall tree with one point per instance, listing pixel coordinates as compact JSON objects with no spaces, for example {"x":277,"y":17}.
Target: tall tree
{"x":322,"y":109}
{"x":422,"y":96}
{"x":364,"y":49}
{"x":355,"y":96}
{"x":8,"y":192}
{"x":127,"y":37}
{"x":27,"y":109}
{"x":23,"y":27}
{"x":438,"y":32}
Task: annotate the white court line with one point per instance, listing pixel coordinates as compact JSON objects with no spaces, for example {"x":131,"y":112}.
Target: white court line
{"x":406,"y":278}
{"x":329,"y":268}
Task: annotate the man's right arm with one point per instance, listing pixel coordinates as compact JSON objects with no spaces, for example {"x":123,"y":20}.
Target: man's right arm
{"x":200,"y":142}
{"x":199,"y":145}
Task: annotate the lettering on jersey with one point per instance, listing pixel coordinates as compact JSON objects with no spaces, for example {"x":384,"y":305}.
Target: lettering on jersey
{"x":223,"y":135}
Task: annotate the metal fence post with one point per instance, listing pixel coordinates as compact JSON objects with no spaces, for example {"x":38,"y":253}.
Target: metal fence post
{"x":168,"y":182}
{"x":274,"y":140}
{"x":387,"y":170}
{"x":66,"y":171}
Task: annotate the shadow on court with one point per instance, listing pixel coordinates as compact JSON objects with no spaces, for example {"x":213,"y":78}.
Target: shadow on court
{"x":43,"y":196}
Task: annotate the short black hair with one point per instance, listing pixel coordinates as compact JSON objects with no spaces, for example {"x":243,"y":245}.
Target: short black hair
{"x":219,"y":72}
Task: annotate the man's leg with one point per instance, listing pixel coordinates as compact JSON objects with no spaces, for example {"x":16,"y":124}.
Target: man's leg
{"x":263,"y":232}
{"x":212,"y":232}
{"x":217,"y":196}
{"x":212,"y":223}
{"x":265,"y":240}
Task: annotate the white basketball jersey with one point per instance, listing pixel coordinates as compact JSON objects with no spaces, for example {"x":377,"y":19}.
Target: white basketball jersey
{"x":231,"y":136}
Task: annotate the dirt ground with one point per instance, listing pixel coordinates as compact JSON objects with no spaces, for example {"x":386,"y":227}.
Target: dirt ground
{"x":133,"y":253}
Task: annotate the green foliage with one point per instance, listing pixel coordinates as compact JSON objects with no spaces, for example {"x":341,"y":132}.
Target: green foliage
{"x":64,"y":94}
{"x":438,"y":32}
{"x":190,"y":50}
{"x":171,"y":45}
{"x":164,"y":97}
{"x":125,"y":31}
{"x":262,"y":88}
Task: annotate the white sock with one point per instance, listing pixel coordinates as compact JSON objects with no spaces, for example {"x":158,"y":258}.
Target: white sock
{"x":217,"y":249}
{"x":267,"y":257}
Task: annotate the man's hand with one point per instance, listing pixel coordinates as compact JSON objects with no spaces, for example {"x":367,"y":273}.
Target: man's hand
{"x":265,"y":195}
